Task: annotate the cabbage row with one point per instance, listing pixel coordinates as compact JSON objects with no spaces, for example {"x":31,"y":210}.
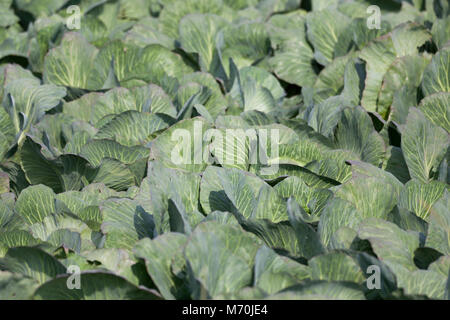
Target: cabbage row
{"x":358,"y":207}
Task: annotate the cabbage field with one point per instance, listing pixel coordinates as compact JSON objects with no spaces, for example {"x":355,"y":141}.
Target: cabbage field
{"x":224,"y":149}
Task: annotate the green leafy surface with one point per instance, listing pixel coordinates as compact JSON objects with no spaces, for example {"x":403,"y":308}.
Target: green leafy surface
{"x":221,"y":149}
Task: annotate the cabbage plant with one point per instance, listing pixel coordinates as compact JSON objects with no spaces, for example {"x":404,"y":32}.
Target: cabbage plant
{"x":224,"y":149}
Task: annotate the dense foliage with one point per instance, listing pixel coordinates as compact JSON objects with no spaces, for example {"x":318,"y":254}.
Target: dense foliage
{"x":87,"y":126}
